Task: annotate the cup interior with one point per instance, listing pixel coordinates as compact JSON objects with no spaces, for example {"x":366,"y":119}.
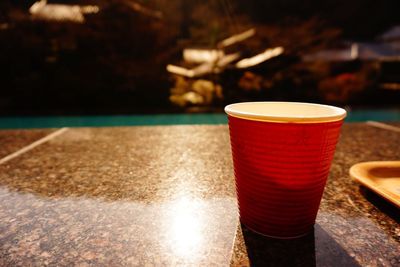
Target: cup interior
{"x":285,"y":112}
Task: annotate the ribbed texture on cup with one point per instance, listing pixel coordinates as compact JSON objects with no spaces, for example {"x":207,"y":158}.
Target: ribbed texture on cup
{"x":280,"y":173}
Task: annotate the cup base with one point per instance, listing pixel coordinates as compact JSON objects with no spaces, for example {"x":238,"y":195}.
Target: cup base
{"x":279,"y":237}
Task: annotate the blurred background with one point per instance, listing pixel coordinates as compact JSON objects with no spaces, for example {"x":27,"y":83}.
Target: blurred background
{"x":107,"y":57}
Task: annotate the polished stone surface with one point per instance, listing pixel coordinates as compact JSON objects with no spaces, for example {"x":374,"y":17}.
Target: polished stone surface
{"x":12,"y":140}
{"x":120,"y":196}
{"x":151,"y":196}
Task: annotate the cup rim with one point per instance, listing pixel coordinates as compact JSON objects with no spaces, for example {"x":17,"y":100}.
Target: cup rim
{"x":332,"y":113}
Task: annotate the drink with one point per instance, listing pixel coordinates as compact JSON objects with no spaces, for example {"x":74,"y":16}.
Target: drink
{"x":282,"y":153}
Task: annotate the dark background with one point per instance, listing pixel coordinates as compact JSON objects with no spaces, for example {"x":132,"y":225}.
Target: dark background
{"x":115,"y":62}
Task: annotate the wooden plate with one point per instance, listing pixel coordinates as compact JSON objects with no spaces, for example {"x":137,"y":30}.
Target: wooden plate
{"x":383,"y":177}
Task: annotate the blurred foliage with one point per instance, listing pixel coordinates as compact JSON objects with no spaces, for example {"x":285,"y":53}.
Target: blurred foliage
{"x":116,"y":61}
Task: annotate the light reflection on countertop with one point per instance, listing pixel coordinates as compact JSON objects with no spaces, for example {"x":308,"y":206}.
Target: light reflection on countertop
{"x":185,"y":232}
{"x":63,"y":231}
{"x":165,"y":195}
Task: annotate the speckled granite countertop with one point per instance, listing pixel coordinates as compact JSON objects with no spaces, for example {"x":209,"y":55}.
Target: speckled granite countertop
{"x":13,"y":140}
{"x":164,"y":196}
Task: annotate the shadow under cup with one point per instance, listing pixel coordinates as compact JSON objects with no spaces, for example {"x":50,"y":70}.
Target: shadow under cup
{"x":282,"y":153}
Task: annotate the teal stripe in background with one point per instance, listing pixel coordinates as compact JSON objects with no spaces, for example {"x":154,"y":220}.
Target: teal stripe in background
{"x":100,"y":121}
{"x":161,"y":119}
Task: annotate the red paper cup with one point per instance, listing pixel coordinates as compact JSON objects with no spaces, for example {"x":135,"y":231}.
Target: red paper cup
{"x":282,"y":153}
